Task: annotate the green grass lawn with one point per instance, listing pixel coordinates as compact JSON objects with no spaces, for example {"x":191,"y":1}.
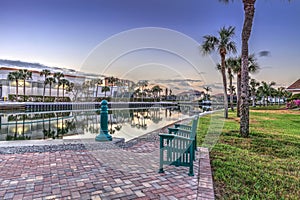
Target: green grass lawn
{"x":264,"y":166}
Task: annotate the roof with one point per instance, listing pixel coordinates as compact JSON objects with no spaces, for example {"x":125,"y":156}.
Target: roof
{"x":295,"y":86}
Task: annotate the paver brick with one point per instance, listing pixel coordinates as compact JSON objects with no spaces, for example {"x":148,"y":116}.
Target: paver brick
{"x":119,"y":173}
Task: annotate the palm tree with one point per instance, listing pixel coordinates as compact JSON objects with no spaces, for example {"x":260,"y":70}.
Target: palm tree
{"x":207,"y":89}
{"x":112,"y":81}
{"x":236,"y":66}
{"x":156,"y":90}
{"x":105,"y":89}
{"x":265,"y":91}
{"x":280,"y":93}
{"x":228,"y":65}
{"x":224,"y":45}
{"x":50,"y":81}
{"x":45,"y":73}
{"x":15,"y":76}
{"x":98,"y":82}
{"x":58,"y":76}
{"x":142,"y":84}
{"x":253,"y":90}
{"x":249,"y":10}
{"x":25,"y":75}
{"x":64,"y":82}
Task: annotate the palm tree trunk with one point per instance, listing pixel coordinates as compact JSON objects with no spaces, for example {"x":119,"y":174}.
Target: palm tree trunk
{"x":96,"y":90}
{"x":224,"y":85}
{"x":17,"y":89}
{"x":239,"y":78}
{"x":63,"y":91}
{"x":24,"y":92}
{"x":57,"y":91}
{"x":44,"y":92}
{"x":247,"y":27}
{"x":231,"y":91}
{"x":50,"y":89}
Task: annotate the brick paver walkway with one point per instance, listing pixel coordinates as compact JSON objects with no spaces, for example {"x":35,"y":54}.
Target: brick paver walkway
{"x":117,"y":173}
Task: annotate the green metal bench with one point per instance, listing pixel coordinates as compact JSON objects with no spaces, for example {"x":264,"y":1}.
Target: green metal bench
{"x":178,"y":147}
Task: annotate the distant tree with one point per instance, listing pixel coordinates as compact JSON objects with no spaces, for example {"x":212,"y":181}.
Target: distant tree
{"x":15,"y":76}
{"x":236,"y":66}
{"x":105,"y":89}
{"x":97,"y":82}
{"x":49,"y":81}
{"x":142,"y":84}
{"x":156,"y":90}
{"x":207,"y":89}
{"x":265,"y":91}
{"x":25,"y":75}
{"x":224,"y":45}
{"x":64,"y":82}
{"x":253,"y":90}
{"x":45,"y":73}
{"x":58,"y":76}
{"x":112,"y":80}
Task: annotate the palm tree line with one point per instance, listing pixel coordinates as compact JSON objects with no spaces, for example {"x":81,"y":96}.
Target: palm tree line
{"x":88,"y":87}
{"x":22,"y":75}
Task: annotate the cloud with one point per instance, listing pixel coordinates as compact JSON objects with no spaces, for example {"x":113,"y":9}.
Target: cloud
{"x":264,"y":53}
{"x":178,"y":80}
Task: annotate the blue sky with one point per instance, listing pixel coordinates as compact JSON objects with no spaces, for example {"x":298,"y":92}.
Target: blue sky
{"x":70,"y":33}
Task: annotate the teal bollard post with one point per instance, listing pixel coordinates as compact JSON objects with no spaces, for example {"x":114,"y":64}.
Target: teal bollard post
{"x":104,"y":135}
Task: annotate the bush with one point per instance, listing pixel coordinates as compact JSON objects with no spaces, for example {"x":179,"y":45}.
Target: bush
{"x":293,"y":104}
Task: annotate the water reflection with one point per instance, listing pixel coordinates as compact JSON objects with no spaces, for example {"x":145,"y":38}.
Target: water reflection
{"x":126,"y":123}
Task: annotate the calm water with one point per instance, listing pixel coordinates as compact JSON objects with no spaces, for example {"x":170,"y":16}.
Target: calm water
{"x":126,"y":123}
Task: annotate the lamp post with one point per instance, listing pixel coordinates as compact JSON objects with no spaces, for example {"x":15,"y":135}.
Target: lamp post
{"x":104,"y":135}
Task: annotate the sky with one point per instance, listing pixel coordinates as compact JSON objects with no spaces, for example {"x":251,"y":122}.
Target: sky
{"x":155,"y":40}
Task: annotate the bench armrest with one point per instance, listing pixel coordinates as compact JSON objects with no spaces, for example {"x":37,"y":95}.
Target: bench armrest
{"x":163,"y":135}
{"x":183,"y":126}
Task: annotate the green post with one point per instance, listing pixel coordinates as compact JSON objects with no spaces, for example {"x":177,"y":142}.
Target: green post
{"x":104,"y":135}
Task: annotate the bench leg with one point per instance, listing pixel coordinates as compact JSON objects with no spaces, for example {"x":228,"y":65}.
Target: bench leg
{"x":161,"y":156}
{"x":191,"y":170}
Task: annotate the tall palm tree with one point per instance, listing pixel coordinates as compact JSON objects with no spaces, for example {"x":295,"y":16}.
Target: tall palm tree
{"x":224,"y":44}
{"x":253,"y":90}
{"x":64,"y":82}
{"x":45,"y":73}
{"x":58,"y":76}
{"x":25,"y":75}
{"x":246,"y":32}
{"x":105,"y":89}
{"x":249,"y":10}
{"x":15,"y":76}
{"x":236,"y":66}
{"x":228,"y":65}
{"x":50,"y":81}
